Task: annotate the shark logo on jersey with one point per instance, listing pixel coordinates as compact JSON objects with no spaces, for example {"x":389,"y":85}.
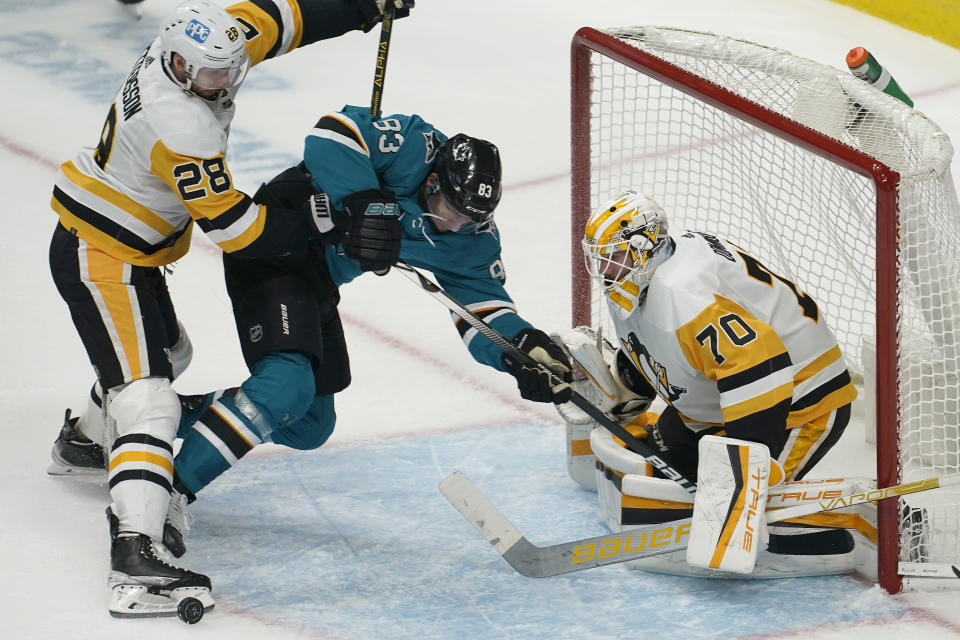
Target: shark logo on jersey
{"x":660,"y":381}
{"x":198,"y":31}
{"x":432,"y":144}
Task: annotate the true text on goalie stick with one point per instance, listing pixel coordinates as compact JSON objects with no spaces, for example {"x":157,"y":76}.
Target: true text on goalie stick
{"x":642,"y":542}
{"x":633,"y":443}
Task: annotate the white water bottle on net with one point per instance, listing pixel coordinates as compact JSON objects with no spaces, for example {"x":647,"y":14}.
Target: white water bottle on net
{"x":842,"y":188}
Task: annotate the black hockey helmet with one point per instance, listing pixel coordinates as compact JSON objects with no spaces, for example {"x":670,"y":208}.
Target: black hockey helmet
{"x":469,"y":176}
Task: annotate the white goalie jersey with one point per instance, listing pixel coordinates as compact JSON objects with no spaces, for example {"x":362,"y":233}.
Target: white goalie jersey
{"x":729,"y":343}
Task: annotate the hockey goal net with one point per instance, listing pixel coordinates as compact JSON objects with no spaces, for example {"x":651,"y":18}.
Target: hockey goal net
{"x":838,"y":187}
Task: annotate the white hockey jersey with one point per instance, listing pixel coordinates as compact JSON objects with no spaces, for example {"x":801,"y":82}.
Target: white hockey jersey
{"x":160,"y":162}
{"x":729,"y":343}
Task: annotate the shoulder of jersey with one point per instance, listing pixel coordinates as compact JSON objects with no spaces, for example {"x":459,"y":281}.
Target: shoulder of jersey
{"x":182,"y":121}
{"x":692,"y":265}
{"x":686,"y":283}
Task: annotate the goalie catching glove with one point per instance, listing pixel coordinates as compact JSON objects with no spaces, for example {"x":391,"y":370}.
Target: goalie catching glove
{"x":368,"y":229}
{"x":611,"y":381}
{"x":534,"y":383}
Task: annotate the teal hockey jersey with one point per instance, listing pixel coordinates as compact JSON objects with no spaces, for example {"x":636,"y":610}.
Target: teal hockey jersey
{"x":350,"y":151}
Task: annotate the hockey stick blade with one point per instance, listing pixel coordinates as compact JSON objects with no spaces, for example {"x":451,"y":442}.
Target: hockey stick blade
{"x":929,"y":570}
{"x":633,"y":443}
{"x":541,"y":562}
{"x":641,"y":542}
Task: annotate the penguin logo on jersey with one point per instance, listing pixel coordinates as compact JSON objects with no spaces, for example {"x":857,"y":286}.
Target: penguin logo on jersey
{"x":660,"y":382}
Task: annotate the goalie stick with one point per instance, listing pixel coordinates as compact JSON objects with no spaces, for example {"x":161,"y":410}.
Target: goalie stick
{"x":642,"y":542}
{"x":633,"y":443}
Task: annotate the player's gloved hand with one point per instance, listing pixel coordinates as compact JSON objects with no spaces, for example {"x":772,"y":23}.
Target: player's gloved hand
{"x":289,"y":189}
{"x":374,"y":232}
{"x":289,"y":194}
{"x":368,"y":228}
{"x":373,"y":10}
{"x":535,"y":384}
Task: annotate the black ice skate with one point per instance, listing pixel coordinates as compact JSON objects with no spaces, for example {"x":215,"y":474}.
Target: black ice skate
{"x":144,"y":582}
{"x":177,"y":525}
{"x":74,"y":454}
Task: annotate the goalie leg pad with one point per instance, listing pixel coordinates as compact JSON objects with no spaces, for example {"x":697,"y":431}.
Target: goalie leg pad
{"x":580,"y":460}
{"x":728,"y":509}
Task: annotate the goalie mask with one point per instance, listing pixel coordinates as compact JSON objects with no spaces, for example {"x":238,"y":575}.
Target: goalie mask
{"x":624,"y":242}
{"x":212,"y":44}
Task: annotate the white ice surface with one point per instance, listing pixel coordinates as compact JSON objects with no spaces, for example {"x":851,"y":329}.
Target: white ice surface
{"x":354,"y":540}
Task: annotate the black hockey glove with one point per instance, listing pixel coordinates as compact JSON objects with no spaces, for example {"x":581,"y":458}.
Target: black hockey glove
{"x":286,"y":198}
{"x":372,"y":10}
{"x":290,"y":189}
{"x":535,"y":383}
{"x":374,"y":232}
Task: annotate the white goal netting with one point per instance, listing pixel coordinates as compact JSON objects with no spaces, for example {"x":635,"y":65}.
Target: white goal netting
{"x":792,"y":200}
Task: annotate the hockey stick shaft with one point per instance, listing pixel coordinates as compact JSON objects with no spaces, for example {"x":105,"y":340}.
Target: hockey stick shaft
{"x":641,"y":542}
{"x":854,"y":499}
{"x":383,"y":50}
{"x":633,"y":443}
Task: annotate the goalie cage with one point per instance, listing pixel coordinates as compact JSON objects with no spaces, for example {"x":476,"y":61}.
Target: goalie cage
{"x":837,"y":185}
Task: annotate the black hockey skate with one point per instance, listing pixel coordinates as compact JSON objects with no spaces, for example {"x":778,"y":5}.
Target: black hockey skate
{"x":177,"y":525}
{"x":74,"y":454}
{"x":144,"y":583}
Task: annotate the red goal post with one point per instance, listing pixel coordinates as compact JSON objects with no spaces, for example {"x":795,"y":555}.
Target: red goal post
{"x":840,"y":187}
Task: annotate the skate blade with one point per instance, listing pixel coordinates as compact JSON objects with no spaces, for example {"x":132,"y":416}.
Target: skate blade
{"x":136,"y":601}
{"x":62,"y":470}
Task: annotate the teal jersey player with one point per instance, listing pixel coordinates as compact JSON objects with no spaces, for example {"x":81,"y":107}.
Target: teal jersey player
{"x":350,"y":151}
{"x":378,"y":190}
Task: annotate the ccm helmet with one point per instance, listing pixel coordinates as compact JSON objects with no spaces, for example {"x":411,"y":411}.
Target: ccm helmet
{"x":211,"y":42}
{"x":468,"y":171}
{"x":624,"y":242}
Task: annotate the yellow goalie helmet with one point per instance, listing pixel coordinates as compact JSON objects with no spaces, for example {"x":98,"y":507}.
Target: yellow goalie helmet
{"x":623,"y":243}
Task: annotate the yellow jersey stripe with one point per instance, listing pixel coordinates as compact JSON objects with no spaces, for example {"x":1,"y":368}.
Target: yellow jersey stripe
{"x":117,"y":199}
{"x":757,"y":403}
{"x":819,"y":364}
{"x":142,"y":456}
